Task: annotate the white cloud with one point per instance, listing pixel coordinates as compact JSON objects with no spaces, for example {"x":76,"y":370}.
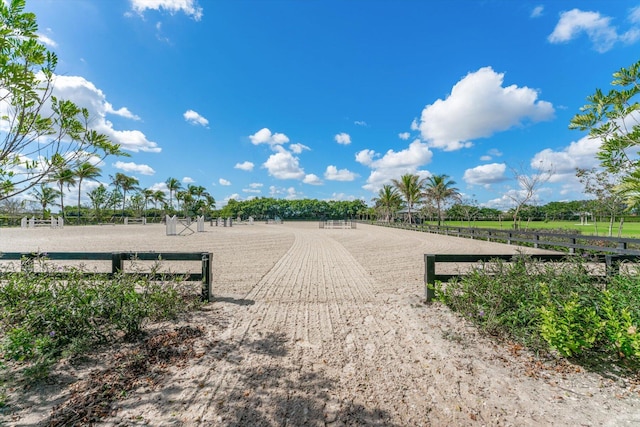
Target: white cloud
{"x":360,"y":123}
{"x":85,"y":94}
{"x":264,"y":136}
{"x":245,"y":166}
{"x":254,"y":187}
{"x":188,"y":180}
{"x":223,"y":181}
{"x":365,"y":157}
{"x":333,"y":174}
{"x":598,"y":28}
{"x":343,"y":138}
{"x":563,"y":163}
{"x":298,"y":148}
{"x":188,"y":7}
{"x":312,"y":179}
{"x":394,"y":163}
{"x":494,"y":152}
{"x":485,"y":174}
{"x":485,"y":158}
{"x":133,"y":167}
{"x":47,"y":40}
{"x":634,"y":15}
{"x":537,"y":11}
{"x":478,"y":107}
{"x":404,"y":135}
{"x":288,"y":193}
{"x":195,"y":119}
{"x":284,"y":165}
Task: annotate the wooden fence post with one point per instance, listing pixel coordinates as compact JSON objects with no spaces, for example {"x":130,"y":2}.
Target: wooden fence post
{"x":429,"y":277}
{"x":206,"y":276}
{"x":117,"y":259}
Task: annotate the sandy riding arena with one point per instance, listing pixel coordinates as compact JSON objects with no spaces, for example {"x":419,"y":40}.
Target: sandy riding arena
{"x":318,"y":327}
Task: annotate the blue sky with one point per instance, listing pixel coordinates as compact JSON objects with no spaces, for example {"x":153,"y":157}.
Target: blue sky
{"x":332,"y":99}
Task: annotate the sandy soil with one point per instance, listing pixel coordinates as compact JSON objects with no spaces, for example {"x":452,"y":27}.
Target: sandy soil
{"x":320,"y":327}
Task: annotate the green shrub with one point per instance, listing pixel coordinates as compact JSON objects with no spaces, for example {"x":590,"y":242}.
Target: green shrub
{"x":43,"y":317}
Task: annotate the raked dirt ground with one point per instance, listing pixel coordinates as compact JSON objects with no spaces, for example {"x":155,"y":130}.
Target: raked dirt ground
{"x":322,"y":327}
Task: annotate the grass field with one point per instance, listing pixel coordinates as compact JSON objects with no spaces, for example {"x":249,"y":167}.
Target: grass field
{"x":629,"y":229}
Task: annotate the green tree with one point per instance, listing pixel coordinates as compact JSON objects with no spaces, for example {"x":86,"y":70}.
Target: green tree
{"x":173,"y":185}
{"x":613,"y":118}
{"x":411,"y":187}
{"x":39,"y":133}
{"x":440,"y":189}
{"x":147,"y":194}
{"x":125,"y":183}
{"x":85,"y":171}
{"x":99,"y":197}
{"x":64,"y":177}
{"x":388,"y":201}
{"x":159,"y":197}
{"x":45,"y":196}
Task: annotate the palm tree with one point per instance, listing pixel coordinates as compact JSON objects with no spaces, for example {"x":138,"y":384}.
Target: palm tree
{"x":63,"y":177}
{"x":173,"y":185}
{"x":84,"y":171}
{"x":158,"y":197}
{"x":46,"y":196}
{"x":126,"y":183}
{"x":440,"y":188}
{"x":388,"y":201}
{"x":147,"y":195}
{"x":411,"y":187}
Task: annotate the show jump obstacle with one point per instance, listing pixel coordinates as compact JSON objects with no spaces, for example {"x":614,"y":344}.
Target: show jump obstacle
{"x":33,"y":222}
{"x":185,"y":224}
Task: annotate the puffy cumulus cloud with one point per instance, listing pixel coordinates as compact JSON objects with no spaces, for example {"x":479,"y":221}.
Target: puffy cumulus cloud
{"x":343,"y":138}
{"x":195,"y":119}
{"x":563,"y":163}
{"x":264,"y":136}
{"x":485,"y":174}
{"x":245,"y":166}
{"x":223,"y":181}
{"x":188,"y":180}
{"x":507,"y":200}
{"x":188,"y":7}
{"x":394,"y":163}
{"x":284,"y":165}
{"x":365,"y":157}
{"x":298,"y":148}
{"x":333,"y":174}
{"x":404,"y":136}
{"x":135,"y":168}
{"x":602,"y":34}
{"x":85,"y":94}
{"x":478,"y":107}
{"x":338,"y":197}
{"x":312,"y":179}
{"x":289,"y":193}
{"x":160,"y":186}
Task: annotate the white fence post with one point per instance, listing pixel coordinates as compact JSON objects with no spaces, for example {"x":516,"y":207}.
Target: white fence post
{"x":201,"y":224}
{"x":23,"y":222}
{"x":171,"y":225}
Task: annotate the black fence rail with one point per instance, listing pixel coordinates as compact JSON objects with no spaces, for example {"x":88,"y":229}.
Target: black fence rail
{"x":611,"y":264}
{"x":118,"y":259}
{"x":571,"y":243}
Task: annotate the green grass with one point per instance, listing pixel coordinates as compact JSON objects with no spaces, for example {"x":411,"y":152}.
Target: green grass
{"x":629,"y":229}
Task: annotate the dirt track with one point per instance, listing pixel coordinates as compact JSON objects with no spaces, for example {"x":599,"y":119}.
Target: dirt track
{"x":328,"y":327}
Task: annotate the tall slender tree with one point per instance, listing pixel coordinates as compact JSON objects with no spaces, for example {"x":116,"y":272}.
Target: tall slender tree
{"x":159,"y":196}
{"x":64,"y":177}
{"x":173,"y":185}
{"x":85,"y":171}
{"x":147,"y":194}
{"x":411,"y":188}
{"x":126,"y":183}
{"x":440,"y":189}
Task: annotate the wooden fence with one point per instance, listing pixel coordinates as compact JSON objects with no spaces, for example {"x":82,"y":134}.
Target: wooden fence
{"x":118,"y":259}
{"x":610,"y":262}
{"x":572,"y":243}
